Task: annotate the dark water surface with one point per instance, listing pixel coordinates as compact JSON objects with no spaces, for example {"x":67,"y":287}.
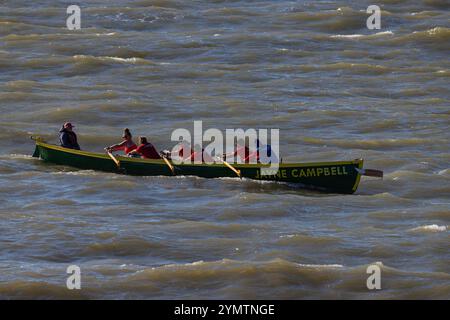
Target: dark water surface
{"x":336,"y":91}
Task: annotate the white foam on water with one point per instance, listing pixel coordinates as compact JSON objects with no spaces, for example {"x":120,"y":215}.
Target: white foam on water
{"x":76,"y":173}
{"x":18,"y":156}
{"x":430,"y":228}
{"x":105,"y":34}
{"x":132,"y":60}
{"x":384,"y":33}
{"x":181,"y":265}
{"x":349,"y":36}
{"x":321,"y":266}
{"x":288,"y":236}
{"x":108,"y":58}
{"x":355,"y":36}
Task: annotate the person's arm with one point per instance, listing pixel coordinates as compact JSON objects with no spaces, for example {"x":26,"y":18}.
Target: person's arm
{"x":115,"y":147}
{"x":135,"y":151}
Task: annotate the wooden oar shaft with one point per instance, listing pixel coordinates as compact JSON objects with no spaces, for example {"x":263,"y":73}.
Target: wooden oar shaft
{"x":117,"y":162}
{"x":169,"y":164}
{"x":238,"y":172}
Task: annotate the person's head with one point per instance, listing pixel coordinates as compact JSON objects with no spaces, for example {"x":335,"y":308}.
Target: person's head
{"x":143,"y":140}
{"x":68,"y":126}
{"x":127,"y":134}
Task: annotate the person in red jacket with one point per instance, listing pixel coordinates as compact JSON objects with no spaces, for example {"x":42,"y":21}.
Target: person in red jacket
{"x":240,"y":150}
{"x":127,"y":145}
{"x":146,"y":150}
{"x":199,"y":153}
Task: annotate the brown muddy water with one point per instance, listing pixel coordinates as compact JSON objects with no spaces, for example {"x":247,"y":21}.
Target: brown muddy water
{"x":336,"y":91}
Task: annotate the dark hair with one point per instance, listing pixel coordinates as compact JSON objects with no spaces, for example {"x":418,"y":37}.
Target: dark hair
{"x":127,"y":132}
{"x":143,"y":140}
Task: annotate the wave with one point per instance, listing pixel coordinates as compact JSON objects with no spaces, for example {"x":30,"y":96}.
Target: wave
{"x":227,"y":278}
{"x":123,"y":247}
{"x":321,"y":266}
{"x":232,"y":269}
{"x":441,"y":4}
{"x":171,"y":4}
{"x":79,"y":64}
{"x":363,"y":36}
{"x":435,"y":33}
{"x":352,"y":68}
{"x":24,"y":96}
{"x":18,"y":156}
{"x":439,"y":36}
{"x":21,"y":289}
{"x":430,"y":228}
{"x":305,"y":239}
{"x":77,"y":173}
{"x":54,"y":36}
{"x":88,"y":59}
{"x":381,"y":144}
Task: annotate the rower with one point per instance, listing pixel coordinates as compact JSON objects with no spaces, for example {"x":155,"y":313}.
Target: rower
{"x":266,"y":150}
{"x":241,"y":151}
{"x":180,"y":149}
{"x":67,"y":137}
{"x":200,"y":153}
{"x":145,"y":149}
{"x":127,"y":145}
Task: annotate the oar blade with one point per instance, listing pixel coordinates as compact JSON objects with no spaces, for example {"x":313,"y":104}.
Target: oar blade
{"x":373,"y":173}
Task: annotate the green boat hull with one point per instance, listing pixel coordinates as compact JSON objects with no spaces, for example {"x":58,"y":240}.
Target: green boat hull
{"x":336,"y":177}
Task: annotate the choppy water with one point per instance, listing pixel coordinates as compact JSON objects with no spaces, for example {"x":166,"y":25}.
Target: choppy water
{"x":311,"y":68}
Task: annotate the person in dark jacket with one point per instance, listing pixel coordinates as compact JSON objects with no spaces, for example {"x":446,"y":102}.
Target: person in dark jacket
{"x":67,"y":137}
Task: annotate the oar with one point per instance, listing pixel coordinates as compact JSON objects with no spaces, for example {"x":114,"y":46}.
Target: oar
{"x":117,"y":162}
{"x":168,"y":164}
{"x":238,"y":172}
{"x":370,"y":172}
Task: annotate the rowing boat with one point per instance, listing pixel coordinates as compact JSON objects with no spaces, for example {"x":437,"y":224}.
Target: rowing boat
{"x":332,"y":176}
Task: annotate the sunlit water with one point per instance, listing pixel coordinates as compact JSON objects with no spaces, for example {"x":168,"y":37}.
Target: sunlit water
{"x":336,"y":91}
